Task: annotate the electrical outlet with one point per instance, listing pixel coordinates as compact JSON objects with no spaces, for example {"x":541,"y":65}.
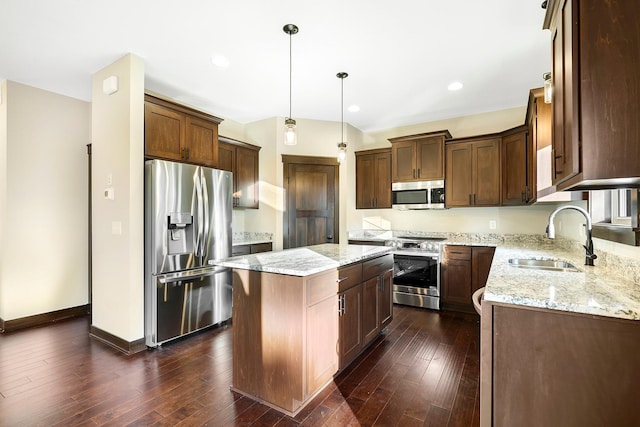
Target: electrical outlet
{"x":493,"y":224}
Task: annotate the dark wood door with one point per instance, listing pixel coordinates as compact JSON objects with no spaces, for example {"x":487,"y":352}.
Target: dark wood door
{"x":226,"y":156}
{"x":311,"y":188}
{"x":365,"y":181}
{"x":201,"y":142}
{"x":486,"y":172}
{"x":350,"y":324}
{"x":370,"y":315}
{"x":247,"y":178}
{"x":481,"y":259}
{"x":515,"y":169}
{"x":385,"y":299}
{"x":404,"y":161}
{"x":382,"y":168}
{"x":430,"y":155}
{"x":164,"y":132}
{"x":458,"y":183}
{"x":456,"y":282}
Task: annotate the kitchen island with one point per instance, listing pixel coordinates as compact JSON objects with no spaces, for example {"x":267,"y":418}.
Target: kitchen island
{"x":286,"y":318}
{"x":558,"y":348}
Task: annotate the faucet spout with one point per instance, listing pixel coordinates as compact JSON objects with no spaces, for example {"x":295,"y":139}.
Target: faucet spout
{"x":588,"y":246}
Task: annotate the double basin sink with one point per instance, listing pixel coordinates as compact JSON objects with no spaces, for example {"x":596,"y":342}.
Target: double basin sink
{"x":543,"y":264}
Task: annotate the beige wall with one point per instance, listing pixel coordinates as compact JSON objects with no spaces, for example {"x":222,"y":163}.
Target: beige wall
{"x":43,"y":213}
{"x":118,"y":233}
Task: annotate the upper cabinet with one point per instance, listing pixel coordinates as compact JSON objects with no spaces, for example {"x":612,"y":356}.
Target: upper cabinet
{"x":518,"y":167}
{"x":596,"y":97}
{"x":373,"y":179}
{"x":418,"y":157}
{"x":242,"y":160}
{"x":176,"y":132}
{"x":473,"y":172}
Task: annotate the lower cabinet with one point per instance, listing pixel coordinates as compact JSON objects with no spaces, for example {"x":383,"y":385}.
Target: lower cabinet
{"x":365,"y":304}
{"x":464,"y":270}
{"x":541,"y":367}
{"x":254,"y":248}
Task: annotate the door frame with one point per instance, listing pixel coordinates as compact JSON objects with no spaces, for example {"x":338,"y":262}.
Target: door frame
{"x":288,"y":159}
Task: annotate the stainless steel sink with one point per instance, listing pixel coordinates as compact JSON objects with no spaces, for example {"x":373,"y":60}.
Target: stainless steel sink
{"x":543,"y":264}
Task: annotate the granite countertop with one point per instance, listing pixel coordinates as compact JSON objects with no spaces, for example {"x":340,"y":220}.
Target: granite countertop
{"x":593,"y":290}
{"x":304,"y":261}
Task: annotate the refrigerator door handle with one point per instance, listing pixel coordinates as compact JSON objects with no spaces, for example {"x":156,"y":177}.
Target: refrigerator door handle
{"x":206,"y":230}
{"x":198,"y":189}
{"x":190,"y":274}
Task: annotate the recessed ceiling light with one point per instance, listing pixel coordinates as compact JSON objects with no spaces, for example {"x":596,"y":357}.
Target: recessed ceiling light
{"x":220,"y":61}
{"x":455,"y":86}
{"x":353,"y":108}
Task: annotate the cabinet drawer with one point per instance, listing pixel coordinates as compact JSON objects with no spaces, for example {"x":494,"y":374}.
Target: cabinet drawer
{"x":457,"y":252}
{"x":349,"y":276}
{"x":377,"y":266}
{"x":321,"y":286}
{"x":261,"y":247}
{"x":238,"y":250}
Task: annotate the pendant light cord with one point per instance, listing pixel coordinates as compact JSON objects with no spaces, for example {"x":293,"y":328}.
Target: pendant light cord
{"x":342,"y":109}
{"x":290,"y":74}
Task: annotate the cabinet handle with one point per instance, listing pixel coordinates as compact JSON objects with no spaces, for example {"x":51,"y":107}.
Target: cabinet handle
{"x":414,"y":173}
{"x":470,"y":201}
{"x":419,"y":173}
{"x":522,"y":197}
{"x":186,"y":154}
{"x":474,"y":199}
{"x":375,"y":202}
{"x":342,"y":279}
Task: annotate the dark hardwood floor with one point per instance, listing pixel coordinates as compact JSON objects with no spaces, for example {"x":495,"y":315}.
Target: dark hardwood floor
{"x":423,"y":371}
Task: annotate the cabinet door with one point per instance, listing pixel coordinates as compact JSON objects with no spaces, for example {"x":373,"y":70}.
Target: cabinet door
{"x":382,"y":177}
{"x":515,"y":169}
{"x":565,"y":75}
{"x":202,"y":142}
{"x":226,"y":156}
{"x":322,"y":338}
{"x":350,"y":324}
{"x":385,"y":299}
{"x":458,"y":182}
{"x":164,"y":132}
{"x":365,"y":181}
{"x":430,"y":155}
{"x":247,"y":180}
{"x":486,"y":173}
{"x":456,"y":281}
{"x":481,"y":259}
{"x":404,"y":161}
{"x":370,"y":315}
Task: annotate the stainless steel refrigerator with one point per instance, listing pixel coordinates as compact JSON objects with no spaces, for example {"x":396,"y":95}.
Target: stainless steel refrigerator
{"x":187,"y":224}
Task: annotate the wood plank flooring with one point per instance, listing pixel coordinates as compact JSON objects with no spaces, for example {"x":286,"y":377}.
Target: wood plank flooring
{"x":422,"y":372}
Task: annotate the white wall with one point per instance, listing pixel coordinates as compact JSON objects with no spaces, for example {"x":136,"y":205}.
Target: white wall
{"x":118,"y":224}
{"x":43,"y":213}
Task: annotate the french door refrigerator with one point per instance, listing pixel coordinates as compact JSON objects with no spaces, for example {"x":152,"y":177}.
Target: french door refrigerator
{"x":187,"y":224}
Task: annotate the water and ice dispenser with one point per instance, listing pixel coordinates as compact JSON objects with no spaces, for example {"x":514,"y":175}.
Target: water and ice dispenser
{"x":180,"y":239}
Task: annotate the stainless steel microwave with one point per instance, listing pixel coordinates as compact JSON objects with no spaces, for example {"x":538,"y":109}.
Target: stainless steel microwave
{"x":418,"y":195}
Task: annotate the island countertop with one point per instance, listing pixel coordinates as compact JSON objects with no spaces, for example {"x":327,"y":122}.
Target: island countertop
{"x":305,"y":260}
{"x":593,"y":290}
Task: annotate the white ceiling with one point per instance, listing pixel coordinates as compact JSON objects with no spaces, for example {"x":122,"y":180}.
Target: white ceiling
{"x":400,"y":55}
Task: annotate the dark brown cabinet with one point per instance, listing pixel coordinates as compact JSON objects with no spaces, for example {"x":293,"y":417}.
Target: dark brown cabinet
{"x":373,"y":179}
{"x":364,"y":304}
{"x":473,"y":175}
{"x":179,"y":133}
{"x":242,"y":160}
{"x":595,"y":110}
{"x":518,"y":167}
{"x":464,"y":270}
{"x":418,"y":157}
{"x":254,"y":248}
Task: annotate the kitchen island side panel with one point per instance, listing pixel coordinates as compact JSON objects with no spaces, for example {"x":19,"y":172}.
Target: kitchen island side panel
{"x":268,"y":327}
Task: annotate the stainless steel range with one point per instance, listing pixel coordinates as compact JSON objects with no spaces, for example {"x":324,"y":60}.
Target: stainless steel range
{"x":416,"y":270}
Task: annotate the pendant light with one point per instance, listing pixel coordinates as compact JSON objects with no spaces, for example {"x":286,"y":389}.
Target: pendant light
{"x":548,"y":88}
{"x":342,"y":145}
{"x":290,"y":137}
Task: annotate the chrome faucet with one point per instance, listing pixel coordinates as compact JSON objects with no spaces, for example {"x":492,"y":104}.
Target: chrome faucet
{"x":588,"y":246}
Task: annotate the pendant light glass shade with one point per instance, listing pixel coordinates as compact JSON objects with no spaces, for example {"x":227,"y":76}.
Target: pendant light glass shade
{"x":548,"y":88}
{"x":342,"y":145}
{"x":290,"y":137}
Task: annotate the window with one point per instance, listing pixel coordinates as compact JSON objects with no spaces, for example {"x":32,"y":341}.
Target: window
{"x":615,"y":215}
